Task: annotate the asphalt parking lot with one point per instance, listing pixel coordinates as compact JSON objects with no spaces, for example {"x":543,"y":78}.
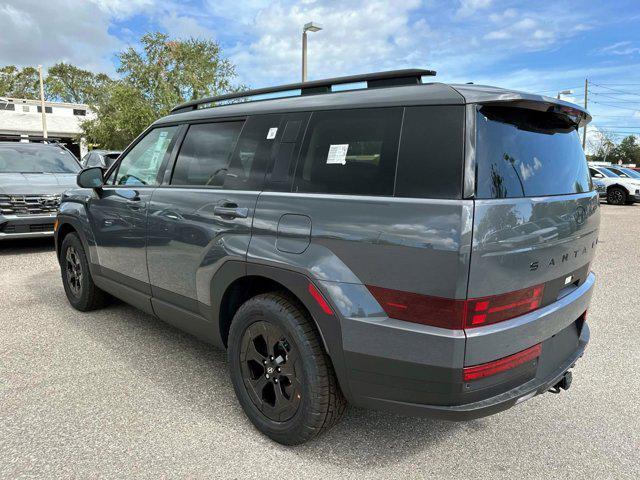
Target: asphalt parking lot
{"x":117,"y":393}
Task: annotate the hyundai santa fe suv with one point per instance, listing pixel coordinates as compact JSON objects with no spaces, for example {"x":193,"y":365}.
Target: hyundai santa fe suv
{"x":410,"y":245}
{"x":32,"y":179}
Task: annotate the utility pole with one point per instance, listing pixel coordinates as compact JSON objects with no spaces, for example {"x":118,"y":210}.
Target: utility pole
{"x":44,"y":117}
{"x":584,"y":131}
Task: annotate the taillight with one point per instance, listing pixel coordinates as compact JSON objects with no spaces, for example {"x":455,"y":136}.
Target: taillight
{"x":497,"y":308}
{"x":457,"y":314}
{"x":507,"y":363}
{"x":413,"y":307}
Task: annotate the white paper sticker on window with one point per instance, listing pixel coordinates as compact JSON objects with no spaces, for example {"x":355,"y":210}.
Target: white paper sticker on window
{"x":272,"y":133}
{"x":337,"y":154}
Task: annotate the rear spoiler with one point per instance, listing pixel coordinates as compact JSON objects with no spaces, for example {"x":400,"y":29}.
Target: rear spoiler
{"x":485,"y":95}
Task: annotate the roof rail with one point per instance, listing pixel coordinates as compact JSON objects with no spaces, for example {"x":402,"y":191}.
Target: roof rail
{"x":373,"y":80}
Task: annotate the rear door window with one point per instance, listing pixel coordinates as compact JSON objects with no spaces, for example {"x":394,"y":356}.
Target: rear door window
{"x":205,"y":153}
{"x":350,"y":152}
{"x":253,"y":153}
{"x":528,"y":153}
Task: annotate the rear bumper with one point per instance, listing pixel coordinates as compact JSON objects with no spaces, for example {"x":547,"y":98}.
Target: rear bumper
{"x":488,"y":406}
{"x":418,"y":370}
{"x":27,"y":226}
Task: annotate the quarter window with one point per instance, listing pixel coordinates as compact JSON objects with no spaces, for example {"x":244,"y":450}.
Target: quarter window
{"x":204,"y":155}
{"x":350,"y":152}
{"x":141,"y":165}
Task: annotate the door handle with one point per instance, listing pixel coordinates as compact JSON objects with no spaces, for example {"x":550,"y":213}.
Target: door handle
{"x":230,"y":210}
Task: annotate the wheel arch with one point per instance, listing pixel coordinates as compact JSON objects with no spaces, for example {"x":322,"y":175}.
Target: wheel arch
{"x":259,"y":279}
{"x":617,"y":185}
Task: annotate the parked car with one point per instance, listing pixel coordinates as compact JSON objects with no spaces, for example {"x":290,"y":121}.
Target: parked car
{"x":32,"y":178}
{"x":624,"y":172}
{"x":100,"y":158}
{"x":620,"y":190}
{"x":386,"y":246}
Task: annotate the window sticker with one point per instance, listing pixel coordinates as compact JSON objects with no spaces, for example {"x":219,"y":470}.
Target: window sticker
{"x":272,"y":133}
{"x":337,"y":154}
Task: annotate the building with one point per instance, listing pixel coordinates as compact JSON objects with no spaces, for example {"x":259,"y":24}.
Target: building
{"x":21,"y":120}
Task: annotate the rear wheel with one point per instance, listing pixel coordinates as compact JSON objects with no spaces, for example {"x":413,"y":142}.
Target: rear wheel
{"x":616,"y":196}
{"x":281,"y":374}
{"x":81,"y":292}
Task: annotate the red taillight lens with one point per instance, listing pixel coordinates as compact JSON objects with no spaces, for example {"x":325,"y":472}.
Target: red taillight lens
{"x":413,"y":307}
{"x":497,"y":308}
{"x":507,"y":363}
{"x":457,"y":314}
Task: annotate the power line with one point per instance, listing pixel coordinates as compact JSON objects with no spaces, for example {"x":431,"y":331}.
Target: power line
{"x":617,"y":100}
{"x":625,"y":92}
{"x":616,"y":106}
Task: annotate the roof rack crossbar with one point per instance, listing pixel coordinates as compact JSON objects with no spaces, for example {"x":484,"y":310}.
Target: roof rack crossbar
{"x":373,"y":80}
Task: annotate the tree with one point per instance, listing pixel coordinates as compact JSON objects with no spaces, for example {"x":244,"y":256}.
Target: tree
{"x":68,"y":83}
{"x":123,"y":112}
{"x":628,"y":151}
{"x":159,"y":76}
{"x":19,"y":83}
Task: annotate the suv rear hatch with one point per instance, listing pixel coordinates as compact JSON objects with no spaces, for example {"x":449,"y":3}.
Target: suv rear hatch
{"x":534,"y":236}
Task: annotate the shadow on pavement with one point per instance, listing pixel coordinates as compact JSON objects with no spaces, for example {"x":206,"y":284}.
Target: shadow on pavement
{"x":26,"y":245}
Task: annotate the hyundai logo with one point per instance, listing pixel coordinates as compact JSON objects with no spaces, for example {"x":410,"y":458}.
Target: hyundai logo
{"x":580,"y":215}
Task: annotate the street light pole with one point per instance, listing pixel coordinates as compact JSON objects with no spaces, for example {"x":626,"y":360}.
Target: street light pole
{"x":564,"y":92}
{"x":309,"y":27}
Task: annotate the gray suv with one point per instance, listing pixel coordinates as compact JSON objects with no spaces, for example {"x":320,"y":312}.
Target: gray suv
{"x":407,"y":245}
{"x":32,"y":179}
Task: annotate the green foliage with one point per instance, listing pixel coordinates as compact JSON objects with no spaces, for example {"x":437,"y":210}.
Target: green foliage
{"x":19,"y":82}
{"x":627,"y":151}
{"x":123,"y":112}
{"x":159,"y":76}
{"x":68,"y":83}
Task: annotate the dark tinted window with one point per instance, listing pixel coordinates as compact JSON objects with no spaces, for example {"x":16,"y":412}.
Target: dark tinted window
{"x":21,"y":158}
{"x":431,"y":160}
{"x":527,"y":153}
{"x":7,"y":106}
{"x":46,"y":109}
{"x":204,"y":155}
{"x":350,"y":152}
{"x":253,"y":153}
{"x":79,"y":111}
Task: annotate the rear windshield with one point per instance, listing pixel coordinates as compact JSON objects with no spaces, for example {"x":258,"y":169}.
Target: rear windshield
{"x":527,"y":153}
{"x":36,"y":159}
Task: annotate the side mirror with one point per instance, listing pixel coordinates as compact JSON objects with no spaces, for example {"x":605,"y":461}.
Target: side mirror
{"x":92,"y":177}
{"x":598,"y":175}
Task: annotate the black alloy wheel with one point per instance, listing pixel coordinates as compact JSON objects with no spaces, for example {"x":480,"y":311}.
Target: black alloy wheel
{"x":616,"y":196}
{"x":74,"y":271}
{"x":270,"y":371}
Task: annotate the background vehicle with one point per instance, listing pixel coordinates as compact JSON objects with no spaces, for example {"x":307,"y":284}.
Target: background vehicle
{"x":624,"y":172}
{"x":417,"y":247}
{"x":32,"y":178}
{"x":619,"y":190}
{"x":100,"y":158}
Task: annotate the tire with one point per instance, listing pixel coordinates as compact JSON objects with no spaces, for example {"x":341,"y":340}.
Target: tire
{"x":81,"y":292}
{"x":302,"y":399}
{"x":616,"y":196}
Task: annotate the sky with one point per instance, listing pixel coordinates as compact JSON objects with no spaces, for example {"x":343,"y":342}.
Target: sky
{"x":535,"y":46}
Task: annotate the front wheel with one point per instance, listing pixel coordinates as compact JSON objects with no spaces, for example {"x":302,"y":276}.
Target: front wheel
{"x":81,"y":292}
{"x":281,"y":374}
{"x":616,"y":196}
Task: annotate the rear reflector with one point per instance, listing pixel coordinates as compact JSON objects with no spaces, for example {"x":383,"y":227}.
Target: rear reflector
{"x":457,"y":314}
{"x":317,"y":296}
{"x":507,"y":363}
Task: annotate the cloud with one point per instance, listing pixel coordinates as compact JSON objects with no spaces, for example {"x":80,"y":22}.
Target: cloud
{"x":355,"y":38}
{"x":620,"y":48}
{"x":36,"y":32}
{"x":469,"y":7}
